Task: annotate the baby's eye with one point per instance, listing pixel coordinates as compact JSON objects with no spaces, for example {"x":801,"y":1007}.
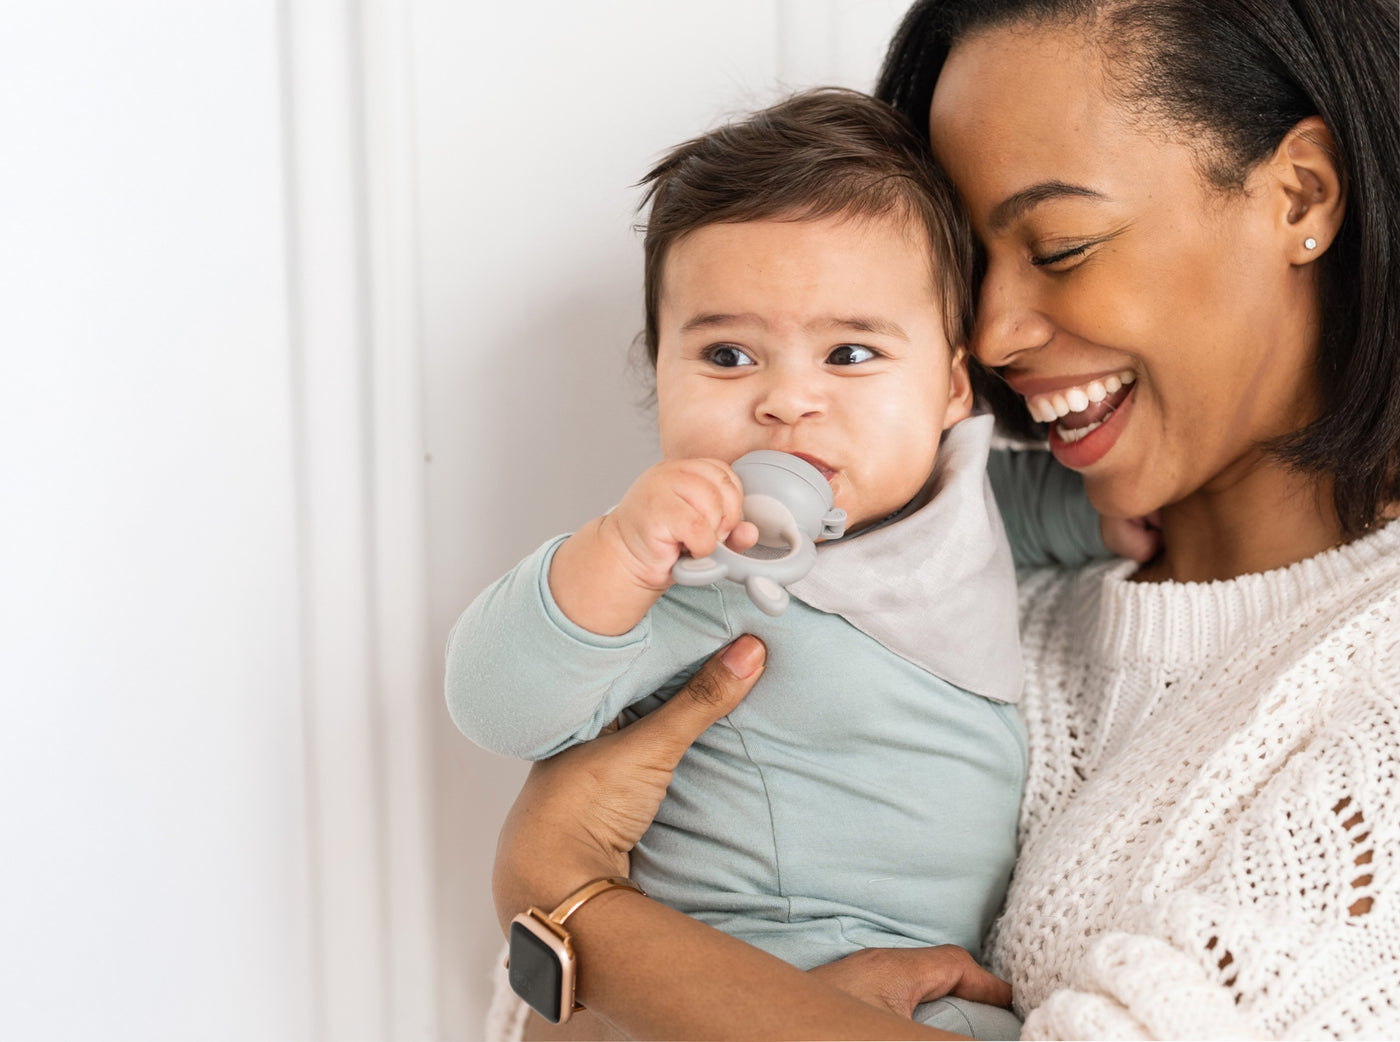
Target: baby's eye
{"x":727,"y":356}
{"x":850,"y":354}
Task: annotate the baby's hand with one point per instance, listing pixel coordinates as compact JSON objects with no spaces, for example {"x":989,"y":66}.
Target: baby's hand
{"x":685,"y":505}
{"x":1136,"y":538}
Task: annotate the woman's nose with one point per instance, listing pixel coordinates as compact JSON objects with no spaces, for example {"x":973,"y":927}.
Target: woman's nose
{"x":789,"y":396}
{"x":1008,"y":321}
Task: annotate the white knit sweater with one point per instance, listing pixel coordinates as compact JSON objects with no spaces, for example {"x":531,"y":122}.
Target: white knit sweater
{"x":1212,"y":818}
{"x":1210,"y":767}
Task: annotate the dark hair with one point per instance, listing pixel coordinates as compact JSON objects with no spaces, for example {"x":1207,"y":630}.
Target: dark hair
{"x":1239,"y":74}
{"x":819,"y":153}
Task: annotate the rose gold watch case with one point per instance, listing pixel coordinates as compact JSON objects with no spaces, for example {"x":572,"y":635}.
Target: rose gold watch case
{"x":555,"y":938}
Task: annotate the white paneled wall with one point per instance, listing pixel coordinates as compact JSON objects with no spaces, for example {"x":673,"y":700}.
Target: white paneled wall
{"x":153,"y":883}
{"x":317,"y":316}
{"x":535,"y":121}
{"x":214,"y":658}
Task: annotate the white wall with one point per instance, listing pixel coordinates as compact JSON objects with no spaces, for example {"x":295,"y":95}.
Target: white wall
{"x":535,"y":121}
{"x":151,"y":744}
{"x":316,"y":317}
{"x":213,"y":654}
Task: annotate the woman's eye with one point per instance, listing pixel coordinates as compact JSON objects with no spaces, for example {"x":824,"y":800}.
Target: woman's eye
{"x":1049,"y":260}
{"x":727,"y":356}
{"x":850,"y":354}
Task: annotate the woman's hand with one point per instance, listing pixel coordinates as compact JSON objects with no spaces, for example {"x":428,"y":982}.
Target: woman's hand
{"x":898,"y":979}
{"x":580,"y":813}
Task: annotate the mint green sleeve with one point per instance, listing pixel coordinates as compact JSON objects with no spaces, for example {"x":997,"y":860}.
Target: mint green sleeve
{"x":1044,"y":509}
{"x":523,"y":680}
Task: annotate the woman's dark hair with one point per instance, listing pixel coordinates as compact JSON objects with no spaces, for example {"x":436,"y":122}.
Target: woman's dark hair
{"x":826,"y":152}
{"x":1239,"y":74}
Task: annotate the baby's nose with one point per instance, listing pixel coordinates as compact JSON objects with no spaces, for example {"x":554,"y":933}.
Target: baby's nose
{"x":790,"y":397}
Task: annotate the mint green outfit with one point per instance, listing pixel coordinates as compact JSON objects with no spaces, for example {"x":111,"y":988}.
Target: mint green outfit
{"x":866,"y":793}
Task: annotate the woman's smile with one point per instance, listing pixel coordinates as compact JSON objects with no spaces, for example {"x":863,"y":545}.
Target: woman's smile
{"x":1081,"y":406}
{"x":1168,"y":346}
{"x":1085,"y":416}
{"x":1080,"y":447}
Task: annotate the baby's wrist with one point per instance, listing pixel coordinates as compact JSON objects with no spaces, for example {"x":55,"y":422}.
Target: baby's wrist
{"x":630,"y":552}
{"x":595,"y":585}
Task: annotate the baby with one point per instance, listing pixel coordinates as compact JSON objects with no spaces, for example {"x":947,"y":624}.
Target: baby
{"x":807,"y":290}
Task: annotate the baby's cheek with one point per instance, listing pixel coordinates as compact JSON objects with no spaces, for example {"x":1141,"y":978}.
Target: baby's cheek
{"x":846,"y":494}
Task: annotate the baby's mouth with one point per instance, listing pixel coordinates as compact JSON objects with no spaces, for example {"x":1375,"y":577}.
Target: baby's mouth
{"x":1078,"y":411}
{"x":827,"y":472}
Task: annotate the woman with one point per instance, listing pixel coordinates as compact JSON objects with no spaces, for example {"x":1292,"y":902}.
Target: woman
{"x":1205,"y":194}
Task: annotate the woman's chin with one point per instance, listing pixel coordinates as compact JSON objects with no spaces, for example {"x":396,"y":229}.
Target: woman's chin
{"x":1112,"y":496}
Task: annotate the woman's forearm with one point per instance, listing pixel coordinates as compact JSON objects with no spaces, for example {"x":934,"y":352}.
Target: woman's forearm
{"x":651,"y":972}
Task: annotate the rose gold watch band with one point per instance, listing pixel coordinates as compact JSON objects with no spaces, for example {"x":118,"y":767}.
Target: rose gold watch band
{"x":587,"y":892}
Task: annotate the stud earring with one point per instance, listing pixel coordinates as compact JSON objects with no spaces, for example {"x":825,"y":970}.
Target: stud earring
{"x":1310,"y":243}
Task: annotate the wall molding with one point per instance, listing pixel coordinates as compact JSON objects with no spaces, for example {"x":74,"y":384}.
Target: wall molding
{"x":356,"y":357}
{"x":409,"y":700}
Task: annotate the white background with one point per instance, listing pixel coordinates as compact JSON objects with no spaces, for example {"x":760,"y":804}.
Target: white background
{"x":317,"y":315}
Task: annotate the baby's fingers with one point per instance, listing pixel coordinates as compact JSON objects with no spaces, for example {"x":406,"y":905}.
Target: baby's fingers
{"x":712,"y":491}
{"x":744,"y":536}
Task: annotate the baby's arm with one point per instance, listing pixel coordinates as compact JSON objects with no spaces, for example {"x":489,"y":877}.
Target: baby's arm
{"x":523,"y":680}
{"x":1049,"y":520}
{"x":1046,"y":514}
{"x":606,"y":576}
{"x":530,"y":673}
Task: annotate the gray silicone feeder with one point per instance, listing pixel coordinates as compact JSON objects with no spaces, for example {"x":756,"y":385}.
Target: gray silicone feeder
{"x":790,"y":503}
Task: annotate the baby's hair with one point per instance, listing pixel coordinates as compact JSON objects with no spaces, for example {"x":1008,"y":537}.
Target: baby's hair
{"x":822,"y":153}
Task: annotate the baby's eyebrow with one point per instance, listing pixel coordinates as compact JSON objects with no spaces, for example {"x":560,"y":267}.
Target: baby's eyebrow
{"x":710,"y":321}
{"x":855,"y":323}
{"x":861,"y":324}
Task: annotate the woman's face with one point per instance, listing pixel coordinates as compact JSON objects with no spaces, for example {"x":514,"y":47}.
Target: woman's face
{"x":1155,"y":318}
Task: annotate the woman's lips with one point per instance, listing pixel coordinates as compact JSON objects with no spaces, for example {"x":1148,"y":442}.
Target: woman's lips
{"x":1080,"y":447}
{"x":1078,"y":410}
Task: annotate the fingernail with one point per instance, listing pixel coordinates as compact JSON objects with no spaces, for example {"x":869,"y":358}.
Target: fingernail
{"x":743,"y":657}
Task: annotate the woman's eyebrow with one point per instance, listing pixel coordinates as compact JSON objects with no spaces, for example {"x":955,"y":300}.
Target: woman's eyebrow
{"x":1013,"y":206}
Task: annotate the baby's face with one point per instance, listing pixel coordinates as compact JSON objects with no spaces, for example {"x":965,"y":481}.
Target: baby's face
{"x":822,"y":338}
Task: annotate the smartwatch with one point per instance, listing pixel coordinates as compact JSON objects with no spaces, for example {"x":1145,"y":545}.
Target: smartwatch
{"x":542,"y":967}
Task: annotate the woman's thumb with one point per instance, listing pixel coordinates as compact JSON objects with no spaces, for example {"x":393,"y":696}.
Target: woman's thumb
{"x":711,"y":693}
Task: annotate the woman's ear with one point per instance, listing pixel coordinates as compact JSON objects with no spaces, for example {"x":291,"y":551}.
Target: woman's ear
{"x":1312,"y":198}
{"x":959,"y":390}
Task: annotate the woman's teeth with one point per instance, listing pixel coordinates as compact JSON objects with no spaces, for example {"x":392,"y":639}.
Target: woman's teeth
{"x":1047,"y":408}
{"x":1073,"y":434}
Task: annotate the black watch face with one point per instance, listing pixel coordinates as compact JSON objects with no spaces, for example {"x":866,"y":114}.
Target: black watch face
{"x":536,"y":974}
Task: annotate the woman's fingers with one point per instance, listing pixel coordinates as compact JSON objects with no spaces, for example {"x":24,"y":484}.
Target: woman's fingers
{"x":581,"y":812}
{"x":630,"y":770}
{"x":898,"y":979}
{"x":976,"y":984}
{"x":710,"y":694}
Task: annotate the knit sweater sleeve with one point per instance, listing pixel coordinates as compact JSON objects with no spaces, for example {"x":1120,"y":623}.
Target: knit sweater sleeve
{"x":1290,"y":927}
